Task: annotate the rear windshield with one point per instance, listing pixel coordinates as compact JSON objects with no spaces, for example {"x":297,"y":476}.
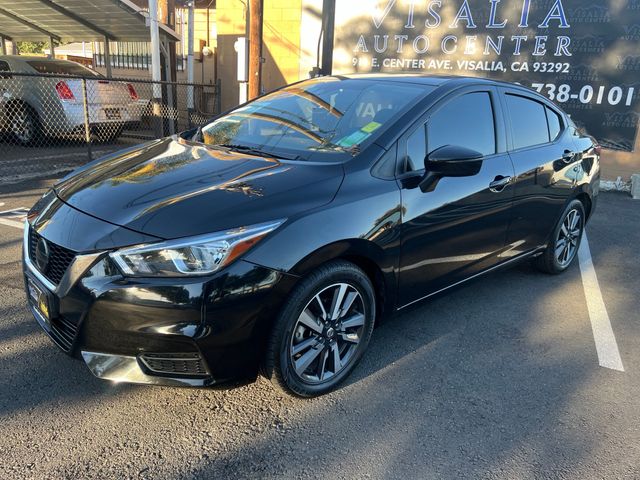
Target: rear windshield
{"x":329,"y":113}
{"x":61,"y":67}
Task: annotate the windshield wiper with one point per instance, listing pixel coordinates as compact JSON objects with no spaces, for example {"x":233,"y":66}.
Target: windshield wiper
{"x":198,"y":137}
{"x":255,"y":151}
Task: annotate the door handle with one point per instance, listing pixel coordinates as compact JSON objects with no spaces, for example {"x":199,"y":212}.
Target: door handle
{"x":499,"y":183}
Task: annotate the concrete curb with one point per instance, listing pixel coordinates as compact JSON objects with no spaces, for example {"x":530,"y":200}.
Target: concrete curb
{"x":617,"y":185}
{"x":635,"y":186}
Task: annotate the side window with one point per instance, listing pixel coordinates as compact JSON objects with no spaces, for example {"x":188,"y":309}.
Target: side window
{"x":4,"y":68}
{"x":416,"y":151}
{"x":528,"y":121}
{"x":465,"y":121}
{"x":555,"y":123}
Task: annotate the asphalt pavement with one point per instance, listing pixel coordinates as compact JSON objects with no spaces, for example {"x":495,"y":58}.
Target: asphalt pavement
{"x":52,"y":157}
{"x":498,"y":379}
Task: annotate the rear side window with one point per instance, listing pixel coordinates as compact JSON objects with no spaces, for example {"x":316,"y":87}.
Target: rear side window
{"x":465,"y":121}
{"x":528,"y":121}
{"x":554,"y":122}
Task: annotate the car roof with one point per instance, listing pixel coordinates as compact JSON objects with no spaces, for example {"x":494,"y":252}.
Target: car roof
{"x":25,"y":58}
{"x":446,"y":81}
{"x":425,"y":79}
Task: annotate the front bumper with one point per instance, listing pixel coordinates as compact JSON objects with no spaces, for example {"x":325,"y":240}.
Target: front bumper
{"x":177,"y":332}
{"x":128,"y":369}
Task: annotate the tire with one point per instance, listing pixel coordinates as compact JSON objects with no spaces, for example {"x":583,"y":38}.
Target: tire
{"x":310,"y":353}
{"x":564,"y":241}
{"x":24,"y":125}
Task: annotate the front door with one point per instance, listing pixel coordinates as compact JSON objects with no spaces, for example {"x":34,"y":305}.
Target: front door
{"x":459,"y":228}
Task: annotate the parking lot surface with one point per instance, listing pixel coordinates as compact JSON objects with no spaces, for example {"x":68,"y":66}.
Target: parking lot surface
{"x":499,"y":379}
{"x":53,"y":158}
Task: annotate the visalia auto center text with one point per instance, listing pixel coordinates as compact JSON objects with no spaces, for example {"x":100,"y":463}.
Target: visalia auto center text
{"x":431,"y":18}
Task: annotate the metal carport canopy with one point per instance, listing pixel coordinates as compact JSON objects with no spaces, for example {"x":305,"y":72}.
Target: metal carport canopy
{"x":76,"y":21}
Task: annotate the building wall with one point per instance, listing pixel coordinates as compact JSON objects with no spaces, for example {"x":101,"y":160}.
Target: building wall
{"x":230,"y":24}
{"x":281,"y":37}
{"x":620,"y":164}
{"x":281,"y":44}
{"x":310,"y":31}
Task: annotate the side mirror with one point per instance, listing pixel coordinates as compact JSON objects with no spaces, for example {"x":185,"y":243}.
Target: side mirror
{"x":449,"y":161}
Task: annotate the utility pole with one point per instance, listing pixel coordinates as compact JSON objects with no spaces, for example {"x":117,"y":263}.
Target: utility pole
{"x":255,"y":47}
{"x":328,"y":27}
{"x":155,"y":67}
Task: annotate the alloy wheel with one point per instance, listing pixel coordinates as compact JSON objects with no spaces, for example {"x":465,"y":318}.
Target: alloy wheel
{"x":22,"y":126}
{"x":568,"y":237}
{"x":327,"y":333}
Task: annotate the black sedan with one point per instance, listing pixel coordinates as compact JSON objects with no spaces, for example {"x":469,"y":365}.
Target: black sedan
{"x":273,"y":239}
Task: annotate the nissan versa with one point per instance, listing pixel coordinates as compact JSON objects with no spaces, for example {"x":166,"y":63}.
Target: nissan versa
{"x":272,"y":239}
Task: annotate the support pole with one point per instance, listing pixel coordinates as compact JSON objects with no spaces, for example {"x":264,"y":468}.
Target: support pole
{"x":328,"y":27}
{"x":87,"y":121}
{"x":155,"y":66}
{"x":107,"y":56}
{"x":52,"y":48}
{"x":255,"y":47}
{"x":4,"y":46}
{"x":190,"y":76}
{"x":170,"y":110}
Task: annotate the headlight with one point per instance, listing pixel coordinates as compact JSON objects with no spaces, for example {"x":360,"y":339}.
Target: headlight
{"x":199,"y":255}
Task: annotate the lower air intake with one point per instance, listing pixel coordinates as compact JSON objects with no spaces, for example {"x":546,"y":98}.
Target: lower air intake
{"x":186,"y":364}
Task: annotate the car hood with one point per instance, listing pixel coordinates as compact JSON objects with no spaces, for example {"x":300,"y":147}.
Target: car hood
{"x":172,"y":188}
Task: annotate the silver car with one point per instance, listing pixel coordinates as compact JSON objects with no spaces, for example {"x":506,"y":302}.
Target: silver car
{"x":50,"y":105}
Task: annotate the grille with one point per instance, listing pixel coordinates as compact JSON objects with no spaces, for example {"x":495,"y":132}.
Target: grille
{"x":63,"y":333}
{"x":189,"y":364}
{"x":59,"y":258}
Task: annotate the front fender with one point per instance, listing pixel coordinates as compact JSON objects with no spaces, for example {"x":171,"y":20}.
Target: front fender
{"x":361,"y":224}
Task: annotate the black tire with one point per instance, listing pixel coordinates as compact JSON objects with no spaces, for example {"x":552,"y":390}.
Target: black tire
{"x":24,"y":124}
{"x":290,"y":332}
{"x":550,"y":261}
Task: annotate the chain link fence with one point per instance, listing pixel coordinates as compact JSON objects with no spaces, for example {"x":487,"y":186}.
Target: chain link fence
{"x":53,"y":123}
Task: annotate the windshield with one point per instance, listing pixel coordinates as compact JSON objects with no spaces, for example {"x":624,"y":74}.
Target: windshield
{"x":61,"y":67}
{"x":322,"y":114}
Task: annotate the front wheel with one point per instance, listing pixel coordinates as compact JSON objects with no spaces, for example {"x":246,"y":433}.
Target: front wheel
{"x":565,"y":240}
{"x":323,"y":330}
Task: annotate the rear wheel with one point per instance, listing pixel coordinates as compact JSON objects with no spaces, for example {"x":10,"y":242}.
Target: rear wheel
{"x":24,"y":124}
{"x":565,"y":240}
{"x":323,"y":330}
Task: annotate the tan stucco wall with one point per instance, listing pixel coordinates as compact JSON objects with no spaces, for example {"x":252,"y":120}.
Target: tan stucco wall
{"x":281,"y":48}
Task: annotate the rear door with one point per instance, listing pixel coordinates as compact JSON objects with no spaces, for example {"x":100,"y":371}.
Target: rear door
{"x":543,"y":151}
{"x":459,"y":228}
